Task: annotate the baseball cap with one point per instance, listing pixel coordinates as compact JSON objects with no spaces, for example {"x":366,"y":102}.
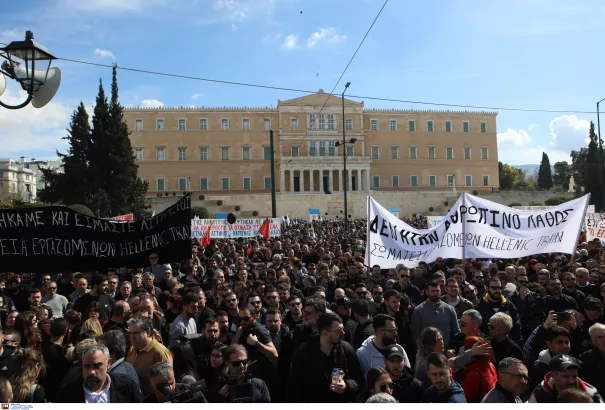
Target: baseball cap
{"x":564,"y":362}
{"x":394,"y":350}
{"x":342,"y":301}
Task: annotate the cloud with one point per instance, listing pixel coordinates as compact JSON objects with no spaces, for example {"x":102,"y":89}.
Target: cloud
{"x":12,"y":35}
{"x":30,"y":129}
{"x":517,"y":138}
{"x":514,"y":156}
{"x":153,"y":103}
{"x":239,"y":10}
{"x":196,"y":96}
{"x":290,"y":42}
{"x":105,"y":54}
{"x":568,"y":132}
{"x":325,"y":34}
{"x":109,"y":6}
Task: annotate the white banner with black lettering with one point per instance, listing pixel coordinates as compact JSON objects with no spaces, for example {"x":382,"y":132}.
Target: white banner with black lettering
{"x":474,"y":228}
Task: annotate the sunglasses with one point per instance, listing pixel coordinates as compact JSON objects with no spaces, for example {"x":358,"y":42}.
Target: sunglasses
{"x":496,"y":287}
{"x":387,"y":386}
{"x":271,"y":297}
{"x":523,"y":282}
{"x":238,"y":363}
{"x":53,"y":288}
{"x":245,"y":319}
{"x":361,"y":293}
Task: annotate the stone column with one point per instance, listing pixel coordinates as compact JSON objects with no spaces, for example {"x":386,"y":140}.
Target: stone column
{"x":302,"y":180}
{"x":321,"y":181}
{"x":340,"y":179}
{"x":350,"y":186}
{"x":331,"y":180}
{"x":282,"y":181}
{"x":368,"y":179}
{"x":311,"y":181}
{"x":291,"y":180}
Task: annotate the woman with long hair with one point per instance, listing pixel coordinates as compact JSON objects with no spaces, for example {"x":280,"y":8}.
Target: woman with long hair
{"x":184,"y":363}
{"x":6,"y":391}
{"x":430,"y":340}
{"x":29,"y":367}
{"x":479,"y":377}
{"x":216,"y":371}
{"x":26,"y":324}
{"x":94,"y":311}
{"x":378,"y":381}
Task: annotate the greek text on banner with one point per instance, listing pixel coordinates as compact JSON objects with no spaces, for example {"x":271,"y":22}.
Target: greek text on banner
{"x":474,"y":228}
{"x":242,"y":228}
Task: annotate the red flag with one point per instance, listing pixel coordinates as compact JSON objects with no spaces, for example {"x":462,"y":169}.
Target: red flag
{"x":264,"y":229}
{"x":206,"y":237}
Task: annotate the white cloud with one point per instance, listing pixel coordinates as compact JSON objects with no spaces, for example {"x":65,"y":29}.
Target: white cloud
{"x":568,"y":132}
{"x":290,"y":42}
{"x":196,"y":96}
{"x":12,"y":35}
{"x":109,"y":6}
{"x":31,"y":129}
{"x":153,"y":103}
{"x":517,"y":138}
{"x":105,"y":53}
{"x":327,"y":34}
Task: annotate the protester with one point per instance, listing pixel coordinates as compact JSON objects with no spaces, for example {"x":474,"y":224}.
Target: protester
{"x":479,"y":377}
{"x":443,"y":389}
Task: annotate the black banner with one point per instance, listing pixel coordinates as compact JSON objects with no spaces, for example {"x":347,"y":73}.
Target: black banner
{"x":56,"y":239}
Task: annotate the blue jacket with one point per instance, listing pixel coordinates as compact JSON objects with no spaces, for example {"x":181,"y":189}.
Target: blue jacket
{"x":454,"y":394}
{"x":123,"y":367}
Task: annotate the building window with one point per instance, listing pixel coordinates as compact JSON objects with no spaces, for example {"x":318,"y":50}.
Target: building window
{"x":375,"y":152}
{"x":245,"y":153}
{"x":182,"y":124}
{"x":393,"y":125}
{"x":330,"y":121}
{"x":182,"y":154}
{"x":349,"y":124}
{"x":448,"y":126}
{"x":430,"y":127}
{"x":294,"y":151}
{"x":484,"y":153}
{"x":450,"y":180}
{"x":203,"y":124}
{"x":449,"y":153}
{"x":247,"y":183}
{"x":225,"y":124}
{"x":374,"y":125}
{"x":414,"y":180}
{"x":203,"y":184}
{"x":394,"y":152}
{"x":225,"y":183}
{"x":138,"y":152}
{"x":485,"y":180}
{"x":413,"y":152}
{"x":431,"y":152}
{"x":466,"y":126}
{"x":245,"y":124}
{"x":161,"y":184}
{"x":322,"y":121}
{"x":322,"y":148}
{"x":467,"y":152}
{"x":267,"y":182}
{"x":313,"y":149}
{"x":395,"y":181}
{"x":138,"y":125}
{"x":225,"y":153}
{"x":412,"y":125}
{"x":182,"y":184}
{"x":350,"y":150}
{"x":204,"y":154}
{"x":293,"y":123}
{"x":159,"y":124}
{"x":267,"y":153}
{"x":160,"y":154}
{"x":483,"y":126}
{"x":267,"y":124}
{"x":332,"y":148}
{"x":432,"y":180}
{"x":312,"y":125}
{"x":468,"y":180}
{"x":376,"y":181}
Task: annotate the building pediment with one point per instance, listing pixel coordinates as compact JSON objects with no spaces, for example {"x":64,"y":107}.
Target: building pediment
{"x":319,"y":98}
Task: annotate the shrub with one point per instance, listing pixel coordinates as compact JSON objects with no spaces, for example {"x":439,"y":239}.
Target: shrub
{"x":200,"y":212}
{"x":558,"y":200}
{"x":83,"y":209}
{"x":515,"y":204}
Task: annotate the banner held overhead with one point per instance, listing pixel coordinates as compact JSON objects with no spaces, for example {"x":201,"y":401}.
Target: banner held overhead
{"x":242,"y":228}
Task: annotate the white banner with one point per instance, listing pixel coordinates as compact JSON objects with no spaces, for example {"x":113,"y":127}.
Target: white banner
{"x":242,"y":228}
{"x":594,"y":225}
{"x":474,"y":228}
{"x":432,"y":221}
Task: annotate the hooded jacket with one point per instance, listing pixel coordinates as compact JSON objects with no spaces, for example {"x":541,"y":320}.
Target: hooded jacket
{"x":453,"y":394}
{"x":540,"y":368}
{"x":369,"y":357}
{"x":477,"y":380}
{"x":487,"y":309}
{"x":546,"y":392}
{"x":408,"y":389}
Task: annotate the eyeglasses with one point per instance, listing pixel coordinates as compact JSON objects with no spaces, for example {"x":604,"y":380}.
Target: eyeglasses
{"x":339,"y":330}
{"x":271,"y":297}
{"x":216,"y":356}
{"x":387,"y":386}
{"x":517,"y":375}
{"x":462,"y":323}
{"x":238,"y":363}
{"x":496,"y":287}
{"x":523,"y":282}
{"x":361,"y":293}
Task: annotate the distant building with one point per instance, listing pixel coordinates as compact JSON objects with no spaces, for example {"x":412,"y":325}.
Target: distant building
{"x":17,"y":180}
{"x":38,"y":165}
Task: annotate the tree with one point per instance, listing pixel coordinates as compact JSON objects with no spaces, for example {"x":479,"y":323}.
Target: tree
{"x":562,"y":174}
{"x":585,"y":170}
{"x":200,"y":212}
{"x":545,"y":173}
{"x":513,"y":179}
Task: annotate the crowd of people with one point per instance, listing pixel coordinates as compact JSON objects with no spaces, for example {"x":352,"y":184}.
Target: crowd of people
{"x":300,"y":318}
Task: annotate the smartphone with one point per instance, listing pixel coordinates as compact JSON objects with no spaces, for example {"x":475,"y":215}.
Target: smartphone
{"x":563,"y":316}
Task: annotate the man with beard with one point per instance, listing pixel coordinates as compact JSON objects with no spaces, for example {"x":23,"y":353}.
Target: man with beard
{"x":373,"y":349}
{"x":97,"y":294}
{"x":404,"y":285}
{"x":443,"y":389}
{"x":452,"y":297}
{"x":570,"y":289}
{"x":479,"y":280}
{"x":314,"y":307}
{"x":313,"y":365}
{"x":282,"y":339}
{"x":96,"y":385}
{"x":434,"y":312}
{"x":225,"y":336}
{"x":563,"y":376}
{"x":294,"y":316}
{"x":342,"y":307}
{"x":556,"y":300}
{"x":406,"y":388}
{"x":494,"y":302}
{"x":202,"y":345}
{"x":398,"y":305}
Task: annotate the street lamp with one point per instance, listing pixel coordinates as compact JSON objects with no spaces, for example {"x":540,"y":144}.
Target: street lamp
{"x":344,"y":156}
{"x":20,"y":65}
{"x":600,"y":167}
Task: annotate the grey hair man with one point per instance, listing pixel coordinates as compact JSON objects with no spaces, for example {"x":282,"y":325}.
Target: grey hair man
{"x":162,"y":382}
{"x":512,"y":382}
{"x":500,"y":326}
{"x":381,"y":398}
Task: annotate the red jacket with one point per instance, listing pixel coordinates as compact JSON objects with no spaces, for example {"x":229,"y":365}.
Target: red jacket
{"x":477,"y":380}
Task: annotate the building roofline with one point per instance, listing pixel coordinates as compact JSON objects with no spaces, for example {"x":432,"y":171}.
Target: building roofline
{"x":211,"y":109}
{"x":396,"y":110}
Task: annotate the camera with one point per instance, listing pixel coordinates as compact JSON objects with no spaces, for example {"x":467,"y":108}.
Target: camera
{"x":240,"y":388}
{"x":186,"y":393}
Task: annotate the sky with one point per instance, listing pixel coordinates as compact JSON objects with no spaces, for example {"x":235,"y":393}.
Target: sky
{"x":529,"y":54}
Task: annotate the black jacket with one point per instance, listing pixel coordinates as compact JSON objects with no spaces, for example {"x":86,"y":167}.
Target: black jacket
{"x":593,"y":369}
{"x":311,"y":373}
{"x":408,"y":389}
{"x":362,"y":332}
{"x":487,"y":309}
{"x":122,"y":390}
